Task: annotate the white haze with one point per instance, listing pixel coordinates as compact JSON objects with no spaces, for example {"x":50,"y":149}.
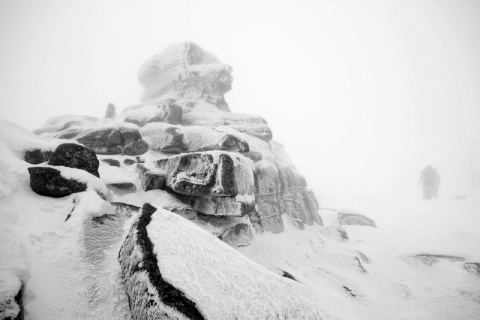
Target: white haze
{"x":363,"y":94}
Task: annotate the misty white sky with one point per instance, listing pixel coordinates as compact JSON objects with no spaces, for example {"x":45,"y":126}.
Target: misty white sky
{"x":363,"y":94}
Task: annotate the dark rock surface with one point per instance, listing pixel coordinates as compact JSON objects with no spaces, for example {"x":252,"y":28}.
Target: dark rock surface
{"x":152,"y":181}
{"x":49,"y":182}
{"x":75,"y":156}
{"x":111,"y":112}
{"x":206,"y":173}
{"x":150,"y":295}
{"x":136,"y":148}
{"x":224,"y":206}
{"x":103,"y":140}
{"x":111,"y":162}
{"x":355,"y":219}
{"x":166,"y":111}
{"x":128,"y":162}
{"x":288,"y":275}
{"x":122,"y":188}
{"x":37,"y":156}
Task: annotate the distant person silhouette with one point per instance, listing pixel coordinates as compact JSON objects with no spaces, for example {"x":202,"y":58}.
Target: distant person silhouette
{"x":427,"y":178}
{"x":436,"y":183}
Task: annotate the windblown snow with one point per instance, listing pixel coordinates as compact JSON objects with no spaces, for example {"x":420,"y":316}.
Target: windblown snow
{"x":375,"y":274}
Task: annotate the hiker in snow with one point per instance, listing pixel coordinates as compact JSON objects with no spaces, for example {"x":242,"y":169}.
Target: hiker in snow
{"x":427,"y":178}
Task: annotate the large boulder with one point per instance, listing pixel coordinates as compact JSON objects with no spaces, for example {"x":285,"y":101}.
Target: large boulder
{"x":122,"y":188}
{"x":75,"y":156}
{"x":168,"y":263}
{"x":165,"y":111}
{"x":210,"y":173}
{"x":104,"y":139}
{"x":187,"y":71}
{"x":238,"y":205}
{"x":177,"y":139}
{"x":49,"y":182}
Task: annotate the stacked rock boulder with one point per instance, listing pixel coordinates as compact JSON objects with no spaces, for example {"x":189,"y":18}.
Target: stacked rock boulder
{"x":183,"y":149}
{"x":223,"y":167}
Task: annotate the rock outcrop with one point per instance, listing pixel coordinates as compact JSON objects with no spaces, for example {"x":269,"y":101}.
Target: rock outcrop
{"x":186,"y":70}
{"x":167,"y":263}
{"x":223,"y":169}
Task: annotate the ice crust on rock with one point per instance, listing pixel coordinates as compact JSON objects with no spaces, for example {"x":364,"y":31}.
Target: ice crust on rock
{"x":219,"y":281}
{"x":187,"y":70}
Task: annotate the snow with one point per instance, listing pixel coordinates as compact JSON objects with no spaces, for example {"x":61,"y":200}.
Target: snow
{"x":48,"y":253}
{"x":393,"y":286}
{"x":222,"y":282}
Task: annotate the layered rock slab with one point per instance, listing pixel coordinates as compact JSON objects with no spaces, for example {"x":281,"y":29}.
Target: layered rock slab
{"x":176,"y":270}
{"x":208,"y":174}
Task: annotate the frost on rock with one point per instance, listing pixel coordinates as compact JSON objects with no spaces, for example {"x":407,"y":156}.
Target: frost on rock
{"x":281,"y":191}
{"x":11,"y":297}
{"x":188,"y":71}
{"x":347,"y":218}
{"x":208,"y":173}
{"x":175,"y":270}
{"x":177,"y":139}
{"x":430,"y":259}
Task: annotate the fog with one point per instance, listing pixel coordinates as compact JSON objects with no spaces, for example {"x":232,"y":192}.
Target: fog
{"x":363,"y":94}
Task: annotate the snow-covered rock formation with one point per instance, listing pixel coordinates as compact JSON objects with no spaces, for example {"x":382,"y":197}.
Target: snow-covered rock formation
{"x":177,"y":208}
{"x":214,"y":178}
{"x":217,"y":163}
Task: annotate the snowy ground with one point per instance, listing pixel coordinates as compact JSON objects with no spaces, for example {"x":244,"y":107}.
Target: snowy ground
{"x":369,"y":276}
{"x":393,"y":285}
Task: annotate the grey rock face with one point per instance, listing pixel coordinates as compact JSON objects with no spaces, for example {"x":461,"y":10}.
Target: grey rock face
{"x":179,"y":139}
{"x":224,"y":206}
{"x":152,"y":181}
{"x":122,"y":188}
{"x":283,"y":191}
{"x":106,"y":140}
{"x":166,"y":111}
{"x":136,"y":148}
{"x":207,"y":173}
{"x":239,"y":236}
{"x":355,"y":219}
{"x":48,"y":182}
